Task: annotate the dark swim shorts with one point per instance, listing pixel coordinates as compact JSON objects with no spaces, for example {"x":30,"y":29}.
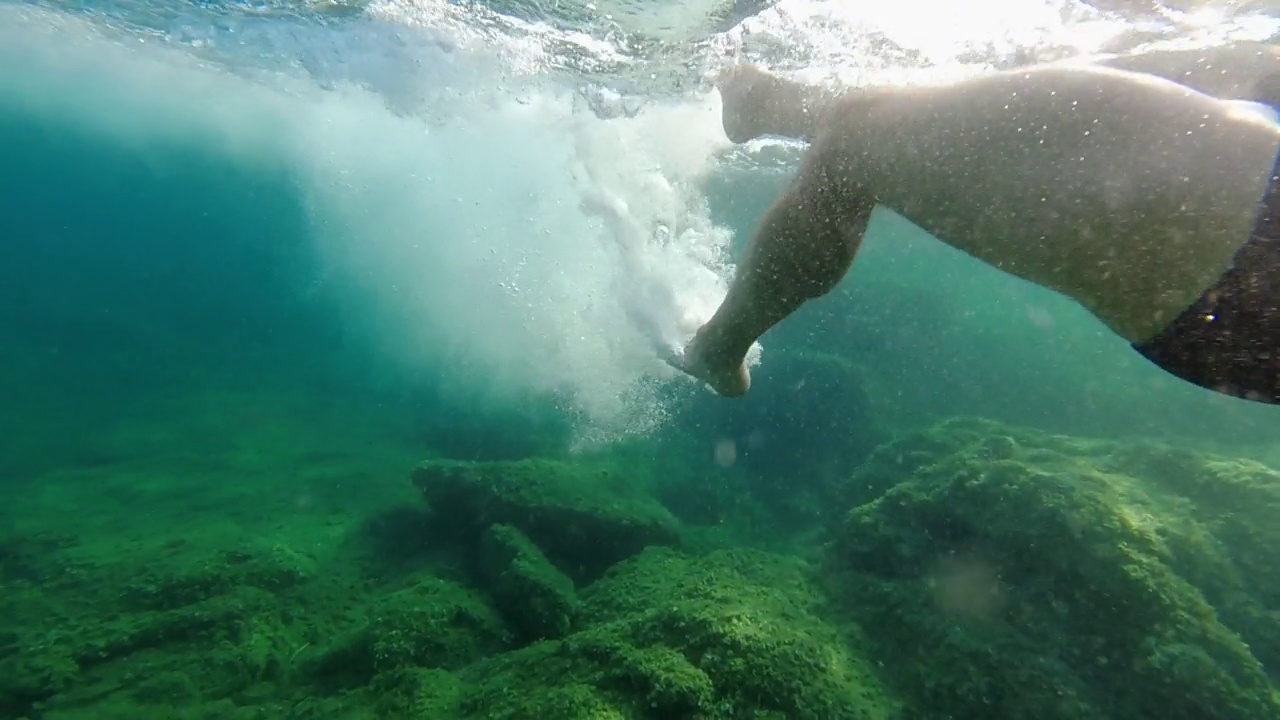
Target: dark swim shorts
{"x":1229,"y":340}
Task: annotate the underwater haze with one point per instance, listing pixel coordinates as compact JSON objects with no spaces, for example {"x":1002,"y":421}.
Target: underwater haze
{"x":332,"y":385}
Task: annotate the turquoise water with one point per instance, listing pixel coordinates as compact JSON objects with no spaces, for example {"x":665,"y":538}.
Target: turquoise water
{"x":261,"y":260}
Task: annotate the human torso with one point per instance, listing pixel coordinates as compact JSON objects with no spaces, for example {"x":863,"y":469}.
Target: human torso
{"x":1096,"y":183}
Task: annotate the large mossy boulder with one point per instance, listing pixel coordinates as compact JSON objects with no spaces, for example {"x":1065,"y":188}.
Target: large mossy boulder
{"x":584,"y":518}
{"x":92,"y":626}
{"x":736,"y":634}
{"x":538,"y":600}
{"x":1006,"y":573}
{"x":433,"y":623}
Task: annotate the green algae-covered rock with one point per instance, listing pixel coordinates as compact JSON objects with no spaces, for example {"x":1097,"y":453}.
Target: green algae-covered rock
{"x":175,"y":585}
{"x":433,"y":623}
{"x":144,"y":629}
{"x":1005,"y":573}
{"x":732,"y":635}
{"x":145,"y":657}
{"x":537,"y":600}
{"x":414,"y":692}
{"x":117,"y":617}
{"x":583,"y":518}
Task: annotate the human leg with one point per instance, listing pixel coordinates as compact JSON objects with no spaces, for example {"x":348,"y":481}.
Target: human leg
{"x":1234,"y":71}
{"x":758,"y":103}
{"x":803,"y":247}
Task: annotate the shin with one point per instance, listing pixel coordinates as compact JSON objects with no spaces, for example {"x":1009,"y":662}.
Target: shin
{"x":802,"y":249}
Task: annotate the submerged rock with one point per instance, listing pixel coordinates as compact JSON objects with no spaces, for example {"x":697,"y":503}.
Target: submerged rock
{"x":732,"y":635}
{"x":536,"y":598}
{"x":1006,"y":573}
{"x":583,"y":519}
{"x":979,"y":572}
{"x":433,"y":623}
{"x":167,"y":631}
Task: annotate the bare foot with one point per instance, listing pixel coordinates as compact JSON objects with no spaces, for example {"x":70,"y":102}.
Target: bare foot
{"x":739,"y":109}
{"x":727,"y":379}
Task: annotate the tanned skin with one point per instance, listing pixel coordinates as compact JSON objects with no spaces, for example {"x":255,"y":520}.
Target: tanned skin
{"x":1123,"y":190}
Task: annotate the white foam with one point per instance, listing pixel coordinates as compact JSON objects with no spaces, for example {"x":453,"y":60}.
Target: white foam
{"x":558,"y":251}
{"x":470,"y":232}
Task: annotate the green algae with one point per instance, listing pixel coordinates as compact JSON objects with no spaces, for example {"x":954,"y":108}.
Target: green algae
{"x":728,"y":635}
{"x":584,"y":517}
{"x":100,"y":623}
{"x":644,"y":649}
{"x":1022,"y":575}
{"x":432,"y":623}
{"x":973,"y":570}
{"x":175,"y":585}
{"x":538,"y":600}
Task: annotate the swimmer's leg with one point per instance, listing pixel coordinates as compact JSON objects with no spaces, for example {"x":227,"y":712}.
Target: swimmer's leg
{"x":756,"y":103}
{"x":1243,"y":70}
{"x":803,"y":247}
